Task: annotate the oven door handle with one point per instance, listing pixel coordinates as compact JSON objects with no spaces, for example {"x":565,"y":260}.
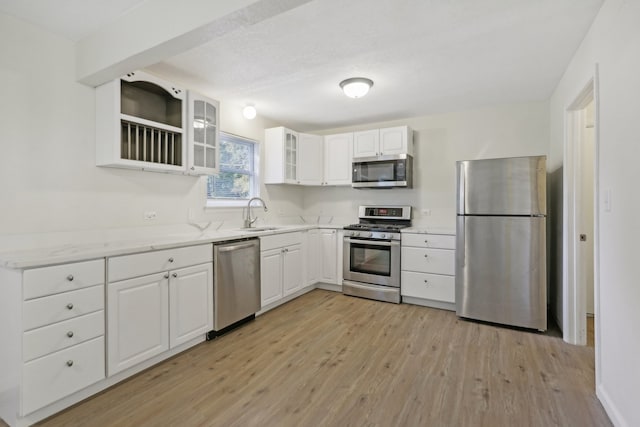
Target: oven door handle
{"x":373,"y":242}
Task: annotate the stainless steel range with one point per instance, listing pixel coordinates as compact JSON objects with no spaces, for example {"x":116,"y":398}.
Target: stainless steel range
{"x":371,"y":267}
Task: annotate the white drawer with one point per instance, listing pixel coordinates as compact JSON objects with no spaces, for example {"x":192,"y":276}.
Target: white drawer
{"x":39,"y":282}
{"x":50,"y":378}
{"x":428,"y":286}
{"x":48,"y":339}
{"x":439,"y":261}
{"x":280,"y":240}
{"x":129,"y":266}
{"x":55,"y":308}
{"x":442,"y":241}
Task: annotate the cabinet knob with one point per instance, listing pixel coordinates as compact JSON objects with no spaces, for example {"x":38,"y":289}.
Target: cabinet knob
{"x":70,"y":306}
{"x":425,"y":255}
{"x":69,"y":362}
{"x":70,"y":334}
{"x":426,"y":281}
{"x":426,"y":241}
{"x":193,"y":168}
{"x":70,"y":277}
{"x":166,"y":276}
{"x":170,"y":259}
{"x":175,"y":275}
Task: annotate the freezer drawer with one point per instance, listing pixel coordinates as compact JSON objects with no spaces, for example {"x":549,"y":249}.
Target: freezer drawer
{"x":501,"y":270}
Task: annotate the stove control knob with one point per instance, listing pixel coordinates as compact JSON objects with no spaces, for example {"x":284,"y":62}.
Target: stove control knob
{"x":382,"y":236}
{"x":369,"y":234}
{"x":356,"y":233}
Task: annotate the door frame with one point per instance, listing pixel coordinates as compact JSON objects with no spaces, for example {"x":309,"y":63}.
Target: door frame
{"x":574,"y":295}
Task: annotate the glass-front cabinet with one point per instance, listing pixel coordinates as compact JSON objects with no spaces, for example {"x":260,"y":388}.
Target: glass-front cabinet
{"x":291,"y":155}
{"x":203,"y":150}
{"x":281,"y":156}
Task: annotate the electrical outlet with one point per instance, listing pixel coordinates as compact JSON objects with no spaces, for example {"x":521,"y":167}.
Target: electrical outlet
{"x":150,"y":215}
{"x":425,"y":212}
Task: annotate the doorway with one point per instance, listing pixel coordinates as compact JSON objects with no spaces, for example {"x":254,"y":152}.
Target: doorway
{"x":580,"y":220}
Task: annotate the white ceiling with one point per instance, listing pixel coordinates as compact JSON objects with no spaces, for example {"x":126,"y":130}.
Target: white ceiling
{"x":425,"y":56}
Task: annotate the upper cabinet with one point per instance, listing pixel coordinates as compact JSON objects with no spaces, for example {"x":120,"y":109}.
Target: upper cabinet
{"x":381,"y":142}
{"x":338,"y":158}
{"x":143,"y":122}
{"x":311,"y":159}
{"x":281,"y":159}
{"x":203,"y":121}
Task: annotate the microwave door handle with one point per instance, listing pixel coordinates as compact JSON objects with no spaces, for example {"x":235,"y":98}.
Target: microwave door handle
{"x":372,"y":242}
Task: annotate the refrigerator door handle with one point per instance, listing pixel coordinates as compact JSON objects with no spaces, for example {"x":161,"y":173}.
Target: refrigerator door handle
{"x":461,"y":187}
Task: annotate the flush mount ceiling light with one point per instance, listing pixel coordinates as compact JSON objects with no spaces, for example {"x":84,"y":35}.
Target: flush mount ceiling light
{"x":356,"y":87}
{"x":249,"y":112}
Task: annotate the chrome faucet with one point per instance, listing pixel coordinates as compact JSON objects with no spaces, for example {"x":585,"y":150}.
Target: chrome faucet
{"x":248,"y":221}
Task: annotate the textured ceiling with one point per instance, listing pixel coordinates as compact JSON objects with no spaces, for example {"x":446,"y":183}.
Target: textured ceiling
{"x":425,"y":56}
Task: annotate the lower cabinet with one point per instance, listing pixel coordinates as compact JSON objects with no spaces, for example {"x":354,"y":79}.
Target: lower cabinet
{"x":281,"y":266}
{"x":151,"y":314}
{"x":428,"y":269}
{"x":328,"y":254}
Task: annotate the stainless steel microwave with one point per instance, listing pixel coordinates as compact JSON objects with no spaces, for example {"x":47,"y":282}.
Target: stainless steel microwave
{"x":383,"y":171}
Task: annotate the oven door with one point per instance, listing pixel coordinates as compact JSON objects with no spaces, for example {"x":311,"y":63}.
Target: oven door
{"x":372,"y":261}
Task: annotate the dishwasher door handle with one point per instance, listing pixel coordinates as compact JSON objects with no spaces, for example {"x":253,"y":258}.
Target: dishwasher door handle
{"x":230,"y":248}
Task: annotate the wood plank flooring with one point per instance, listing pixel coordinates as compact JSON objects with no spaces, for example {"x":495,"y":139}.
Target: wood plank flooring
{"x":326,"y":359}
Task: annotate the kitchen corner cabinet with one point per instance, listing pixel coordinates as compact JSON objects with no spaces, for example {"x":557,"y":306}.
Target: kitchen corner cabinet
{"x":310,"y":159}
{"x":381,"y":142}
{"x":428,"y":269}
{"x":141,"y":124}
{"x":281,"y":266}
{"x":281,"y":158}
{"x":328,"y":254}
{"x":313,"y":264}
{"x":156,"y":301}
{"x":338,"y":158}
{"x":203,"y":136}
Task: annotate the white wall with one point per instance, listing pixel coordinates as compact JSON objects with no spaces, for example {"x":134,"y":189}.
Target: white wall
{"x":48,"y":177}
{"x":441,"y":140}
{"x":613,"y":42}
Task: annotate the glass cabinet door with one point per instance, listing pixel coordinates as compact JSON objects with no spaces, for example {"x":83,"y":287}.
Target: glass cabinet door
{"x":291,"y":156}
{"x":203,"y":139}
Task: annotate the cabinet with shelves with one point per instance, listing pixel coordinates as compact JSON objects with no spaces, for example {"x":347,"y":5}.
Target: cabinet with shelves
{"x":428,"y":269}
{"x":381,"y":142}
{"x":203,"y":136}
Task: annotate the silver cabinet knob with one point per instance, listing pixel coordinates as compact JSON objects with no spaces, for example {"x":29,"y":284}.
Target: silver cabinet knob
{"x":70,"y":306}
{"x":426,"y":242}
{"x":425,"y":255}
{"x":70,"y":334}
{"x":70,"y":277}
{"x":175,"y":275}
{"x":426,"y":281}
{"x":166,"y":276}
{"x":193,"y":168}
{"x":69,"y":362}
{"x":170,"y":259}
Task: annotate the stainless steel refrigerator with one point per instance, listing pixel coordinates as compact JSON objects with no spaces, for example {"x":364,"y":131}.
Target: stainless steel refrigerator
{"x":501,"y":268}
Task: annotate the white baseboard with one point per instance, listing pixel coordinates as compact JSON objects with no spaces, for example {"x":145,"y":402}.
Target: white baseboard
{"x":614,"y":415}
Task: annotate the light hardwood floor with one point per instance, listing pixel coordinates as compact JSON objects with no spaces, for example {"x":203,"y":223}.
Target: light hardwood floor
{"x":326,"y":359}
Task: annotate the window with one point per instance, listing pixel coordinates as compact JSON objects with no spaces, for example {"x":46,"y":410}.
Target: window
{"x":237,"y":180}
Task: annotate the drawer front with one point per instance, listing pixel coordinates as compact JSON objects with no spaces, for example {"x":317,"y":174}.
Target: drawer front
{"x":428,"y":286}
{"x":442,"y":241}
{"x":48,"y":339}
{"x":280,"y":240}
{"x":55,"y":308}
{"x":50,"y":378}
{"x":130,"y":266}
{"x":439,"y":261}
{"x":39,"y":282}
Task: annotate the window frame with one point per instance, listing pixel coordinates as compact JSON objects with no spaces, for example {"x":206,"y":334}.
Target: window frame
{"x":254,"y":177}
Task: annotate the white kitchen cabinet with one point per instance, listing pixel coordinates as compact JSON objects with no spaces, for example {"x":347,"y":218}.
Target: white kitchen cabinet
{"x":311,"y":159}
{"x":137,"y":319}
{"x":156,"y":301}
{"x":313,"y":264}
{"x":52,"y":336}
{"x":141,"y":124}
{"x":203,"y":150}
{"x":338,"y":158}
{"x":281,"y":266}
{"x":281,"y":156}
{"x":385,"y":141}
{"x":190,"y":299}
{"x":428,"y":269}
{"x":328,"y":252}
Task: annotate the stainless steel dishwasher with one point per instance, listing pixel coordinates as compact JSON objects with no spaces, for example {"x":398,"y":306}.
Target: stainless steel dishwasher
{"x":236,"y":284}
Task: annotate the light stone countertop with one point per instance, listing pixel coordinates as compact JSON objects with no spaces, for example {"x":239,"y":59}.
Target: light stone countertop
{"x":40,"y":252}
{"x":430,"y":230}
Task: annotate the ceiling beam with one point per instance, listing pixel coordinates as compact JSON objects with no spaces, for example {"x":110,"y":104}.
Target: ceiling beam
{"x":159,"y":29}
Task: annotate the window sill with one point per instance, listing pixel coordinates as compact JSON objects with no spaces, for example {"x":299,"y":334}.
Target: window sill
{"x":226,"y":203}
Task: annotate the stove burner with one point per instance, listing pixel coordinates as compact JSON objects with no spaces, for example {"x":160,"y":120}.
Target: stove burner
{"x":376,"y":227}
